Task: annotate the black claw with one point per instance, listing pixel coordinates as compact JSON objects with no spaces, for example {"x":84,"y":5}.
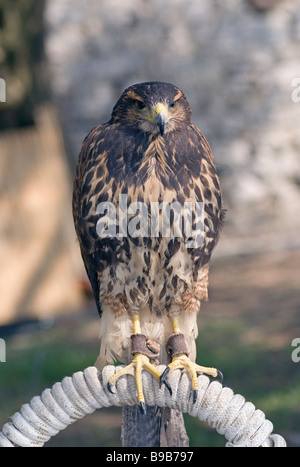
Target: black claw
{"x":220,"y":376}
{"x":109,"y":387}
{"x":195,"y":395}
{"x":163,"y":380}
{"x":166,"y":382}
{"x":143,"y":408}
{"x":163,"y":377}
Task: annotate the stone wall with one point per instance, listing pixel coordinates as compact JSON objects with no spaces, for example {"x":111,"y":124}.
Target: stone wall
{"x":39,"y":256}
{"x":234,"y":60}
{"x":21,"y":61}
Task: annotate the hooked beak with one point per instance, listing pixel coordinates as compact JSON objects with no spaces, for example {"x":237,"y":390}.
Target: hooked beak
{"x":161,"y":117}
{"x":161,"y":121}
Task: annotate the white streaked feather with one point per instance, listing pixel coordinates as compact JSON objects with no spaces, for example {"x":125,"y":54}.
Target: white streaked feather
{"x":115,"y":335}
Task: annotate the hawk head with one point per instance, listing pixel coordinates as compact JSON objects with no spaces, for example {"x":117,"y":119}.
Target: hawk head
{"x":152,"y":107}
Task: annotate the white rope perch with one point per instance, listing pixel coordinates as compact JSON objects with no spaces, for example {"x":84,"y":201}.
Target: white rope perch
{"x":229,"y":414}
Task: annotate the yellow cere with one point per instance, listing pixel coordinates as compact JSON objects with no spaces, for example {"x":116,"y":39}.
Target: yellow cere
{"x":161,"y":108}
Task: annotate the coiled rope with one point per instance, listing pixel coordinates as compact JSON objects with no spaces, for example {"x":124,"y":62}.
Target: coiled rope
{"x":229,"y":414}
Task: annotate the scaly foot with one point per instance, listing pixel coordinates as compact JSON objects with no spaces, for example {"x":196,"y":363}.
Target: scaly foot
{"x":139,"y":363}
{"x":182,"y":361}
{"x":178,"y":354}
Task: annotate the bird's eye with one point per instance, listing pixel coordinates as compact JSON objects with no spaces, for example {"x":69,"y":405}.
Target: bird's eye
{"x":173,"y":105}
{"x":140,"y":105}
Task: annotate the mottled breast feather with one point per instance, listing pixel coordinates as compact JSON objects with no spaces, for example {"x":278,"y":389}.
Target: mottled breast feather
{"x":118,"y":159}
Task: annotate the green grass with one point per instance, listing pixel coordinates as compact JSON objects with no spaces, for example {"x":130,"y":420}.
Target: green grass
{"x":265,"y":377}
{"x":33,"y":362}
{"x":245,"y":330}
{"x":39,"y":359}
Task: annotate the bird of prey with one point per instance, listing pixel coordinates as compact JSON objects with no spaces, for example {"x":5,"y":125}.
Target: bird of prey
{"x":146,"y":246}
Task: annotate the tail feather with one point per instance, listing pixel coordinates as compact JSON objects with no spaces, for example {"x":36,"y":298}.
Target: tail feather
{"x":159,"y":427}
{"x":141,"y":430}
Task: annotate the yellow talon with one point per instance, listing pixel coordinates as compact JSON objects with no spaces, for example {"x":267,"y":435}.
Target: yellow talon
{"x":180,"y":360}
{"x":183,"y":362}
{"x":139,"y":363}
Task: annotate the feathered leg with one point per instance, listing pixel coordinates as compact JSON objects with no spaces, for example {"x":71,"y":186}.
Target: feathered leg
{"x":142,"y":353}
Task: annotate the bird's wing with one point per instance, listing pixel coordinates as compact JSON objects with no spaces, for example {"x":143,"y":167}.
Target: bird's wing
{"x":207,"y":189}
{"x":85,"y":159}
{"x":206,"y":147}
{"x":94,"y":279}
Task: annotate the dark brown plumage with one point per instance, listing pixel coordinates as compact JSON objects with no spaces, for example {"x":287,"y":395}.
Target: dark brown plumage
{"x":149,"y":152}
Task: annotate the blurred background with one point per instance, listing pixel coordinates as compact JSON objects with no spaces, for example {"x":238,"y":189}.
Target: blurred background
{"x":65,"y":64}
